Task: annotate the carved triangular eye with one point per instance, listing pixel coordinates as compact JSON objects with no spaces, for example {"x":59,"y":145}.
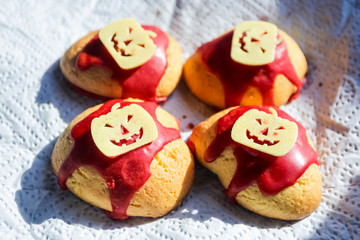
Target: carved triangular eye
{"x":129,"y":117}
{"x":258,"y":120}
{"x":108,"y":125}
{"x":127,"y":42}
{"x":280,"y":128}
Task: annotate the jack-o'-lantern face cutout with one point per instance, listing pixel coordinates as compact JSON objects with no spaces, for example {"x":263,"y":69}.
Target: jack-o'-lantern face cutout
{"x":254,"y":43}
{"x":123,"y":129}
{"x":265,"y":132}
{"x":128,"y":43}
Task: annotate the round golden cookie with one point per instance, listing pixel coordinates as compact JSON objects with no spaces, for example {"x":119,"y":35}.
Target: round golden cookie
{"x":206,"y":84}
{"x":291,"y":203}
{"x":171,"y":169}
{"x":98,"y":81}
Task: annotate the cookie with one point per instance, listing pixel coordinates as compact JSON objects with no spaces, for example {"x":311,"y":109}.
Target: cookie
{"x":126,"y":157}
{"x":124,"y":60}
{"x":254,"y":64}
{"x":264,"y":159}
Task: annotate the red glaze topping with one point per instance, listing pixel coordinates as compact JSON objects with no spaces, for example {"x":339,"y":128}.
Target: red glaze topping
{"x":124,"y":174}
{"x":139,"y":82}
{"x":272,"y":174}
{"x":236,"y":77}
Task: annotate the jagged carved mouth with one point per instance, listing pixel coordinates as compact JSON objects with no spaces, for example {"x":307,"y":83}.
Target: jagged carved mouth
{"x":261,"y":142}
{"x":130,"y":141}
{"x":127,"y":140}
{"x":242,"y":43}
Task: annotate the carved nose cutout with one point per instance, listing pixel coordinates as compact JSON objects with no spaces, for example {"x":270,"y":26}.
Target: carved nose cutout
{"x":265,"y":131}
{"x":127,"y":42}
{"x":123,"y":130}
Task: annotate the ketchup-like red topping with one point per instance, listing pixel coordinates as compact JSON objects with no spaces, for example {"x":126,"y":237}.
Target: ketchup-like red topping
{"x":124,"y":174}
{"x":140,"y":82}
{"x":272,"y":174}
{"x":236,"y":77}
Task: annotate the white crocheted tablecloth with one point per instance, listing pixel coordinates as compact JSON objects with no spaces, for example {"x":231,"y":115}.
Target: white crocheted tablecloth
{"x":36,"y":105}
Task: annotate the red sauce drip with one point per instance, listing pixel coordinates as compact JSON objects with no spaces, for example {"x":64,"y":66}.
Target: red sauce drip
{"x":124,"y":174}
{"x":139,"y":82}
{"x":236,"y":77}
{"x":272,"y":174}
{"x":190,"y":125}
